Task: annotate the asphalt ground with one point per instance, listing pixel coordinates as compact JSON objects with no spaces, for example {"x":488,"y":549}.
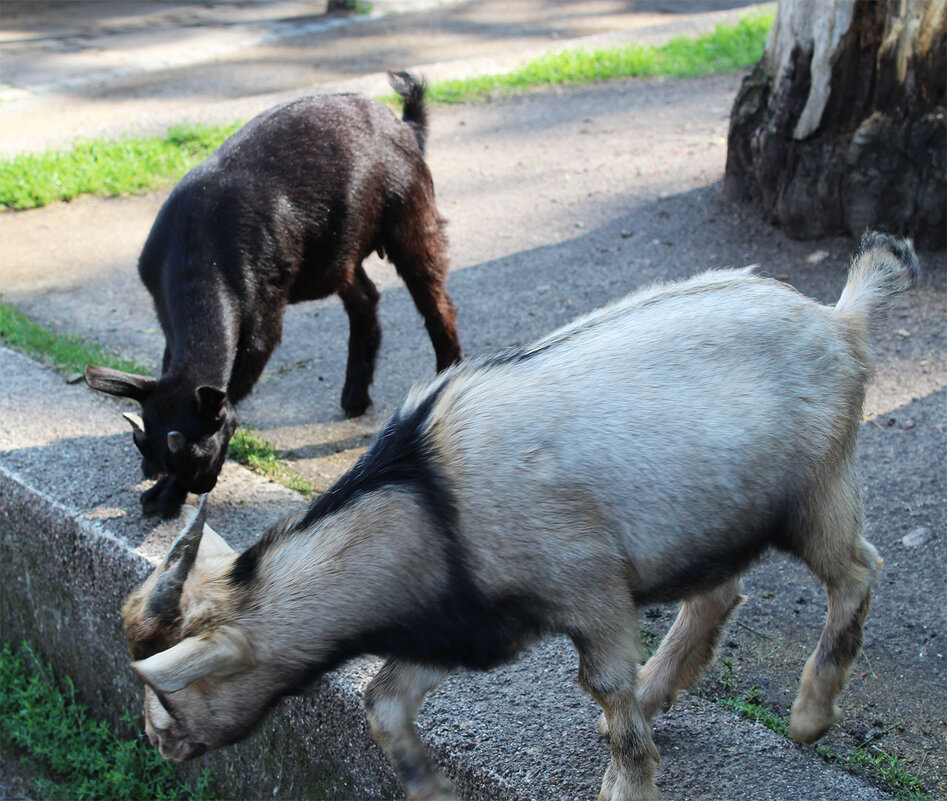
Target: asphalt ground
{"x":557,"y":201}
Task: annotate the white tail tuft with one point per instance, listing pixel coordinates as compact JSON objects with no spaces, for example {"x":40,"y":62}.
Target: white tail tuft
{"x":884,"y":266}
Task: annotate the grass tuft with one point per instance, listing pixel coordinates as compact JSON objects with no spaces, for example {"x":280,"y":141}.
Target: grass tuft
{"x":107,"y":167}
{"x":68,"y":354}
{"x":249,"y":448}
{"x":44,"y":719}
{"x":750,"y":706}
{"x":726,"y":48}
{"x":884,"y":767}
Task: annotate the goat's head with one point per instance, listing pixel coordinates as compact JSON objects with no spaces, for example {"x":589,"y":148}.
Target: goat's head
{"x":183,"y":431}
{"x":203,"y":685}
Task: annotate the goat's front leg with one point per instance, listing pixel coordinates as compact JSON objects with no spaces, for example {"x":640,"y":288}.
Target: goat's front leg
{"x":608,"y":661}
{"x":688,"y":648}
{"x":392,"y":699}
{"x":360,"y":299}
{"x":164,"y":498}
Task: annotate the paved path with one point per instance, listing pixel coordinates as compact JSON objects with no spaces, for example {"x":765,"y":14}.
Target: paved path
{"x":558,"y":201}
{"x":97,"y":68}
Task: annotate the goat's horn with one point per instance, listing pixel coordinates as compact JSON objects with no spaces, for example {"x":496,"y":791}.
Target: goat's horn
{"x":176,"y":441}
{"x":135,"y":422}
{"x":166,"y":595}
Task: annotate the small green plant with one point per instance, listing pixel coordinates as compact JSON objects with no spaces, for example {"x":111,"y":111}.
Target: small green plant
{"x":44,"y":720}
{"x":107,"y":167}
{"x":68,"y":354}
{"x":728,"y":47}
{"x":248,"y":447}
{"x":750,"y":705}
{"x":886,"y":768}
{"x":725,"y":678}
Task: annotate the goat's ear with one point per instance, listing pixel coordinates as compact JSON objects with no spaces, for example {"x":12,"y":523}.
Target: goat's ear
{"x":116,"y":382}
{"x":210,"y":402}
{"x":222,"y":653}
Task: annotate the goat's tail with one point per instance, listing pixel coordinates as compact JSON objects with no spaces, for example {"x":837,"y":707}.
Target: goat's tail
{"x":884,"y":266}
{"x":411,"y":90}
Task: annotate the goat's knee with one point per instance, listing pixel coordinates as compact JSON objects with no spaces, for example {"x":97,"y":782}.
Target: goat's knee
{"x":607,"y":673}
{"x":391,"y":702}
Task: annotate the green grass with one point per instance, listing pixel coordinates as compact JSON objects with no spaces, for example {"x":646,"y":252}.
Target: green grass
{"x":43,"y":719}
{"x":107,"y":167}
{"x":749,"y":706}
{"x":727,"y":48}
{"x":134,"y":165}
{"x":884,"y":767}
{"x":250,"y":449}
{"x":68,"y":354}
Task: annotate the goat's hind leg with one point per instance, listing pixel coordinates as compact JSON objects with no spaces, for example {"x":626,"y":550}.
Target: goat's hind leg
{"x":849,"y":595}
{"x":688,"y":648}
{"x":392,"y":699}
{"x":833,"y":547}
{"x":417,"y":247}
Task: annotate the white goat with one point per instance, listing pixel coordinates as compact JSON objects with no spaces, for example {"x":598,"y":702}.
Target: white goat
{"x":648,"y":452}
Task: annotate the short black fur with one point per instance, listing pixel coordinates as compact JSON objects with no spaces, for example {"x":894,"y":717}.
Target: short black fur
{"x":284,"y":211}
{"x":463,"y":627}
{"x":398,"y":456}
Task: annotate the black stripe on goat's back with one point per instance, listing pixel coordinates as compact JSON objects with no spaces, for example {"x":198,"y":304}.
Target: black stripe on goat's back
{"x":398,"y":456}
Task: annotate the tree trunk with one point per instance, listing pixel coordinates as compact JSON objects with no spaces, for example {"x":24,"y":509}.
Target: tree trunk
{"x":841,"y":127}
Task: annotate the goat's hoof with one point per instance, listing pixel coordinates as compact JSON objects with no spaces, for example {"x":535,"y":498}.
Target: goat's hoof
{"x":164,"y":499}
{"x":808,"y":725}
{"x":618,"y":786}
{"x":438,"y":788}
{"x":355,"y":406}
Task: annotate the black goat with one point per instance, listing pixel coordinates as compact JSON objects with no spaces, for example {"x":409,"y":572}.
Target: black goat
{"x":284,"y":211}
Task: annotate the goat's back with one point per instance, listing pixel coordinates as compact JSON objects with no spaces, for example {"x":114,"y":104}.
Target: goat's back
{"x":308,"y":177}
{"x":691,"y":414}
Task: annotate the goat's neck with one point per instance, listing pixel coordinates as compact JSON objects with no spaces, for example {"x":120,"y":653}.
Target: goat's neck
{"x":319,"y":594}
{"x":202,"y":338}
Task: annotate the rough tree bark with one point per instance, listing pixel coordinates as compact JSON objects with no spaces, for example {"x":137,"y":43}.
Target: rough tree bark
{"x":841,"y":127}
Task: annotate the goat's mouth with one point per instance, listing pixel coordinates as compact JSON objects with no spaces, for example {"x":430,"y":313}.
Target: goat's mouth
{"x":202,"y":484}
{"x":181,"y":750}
